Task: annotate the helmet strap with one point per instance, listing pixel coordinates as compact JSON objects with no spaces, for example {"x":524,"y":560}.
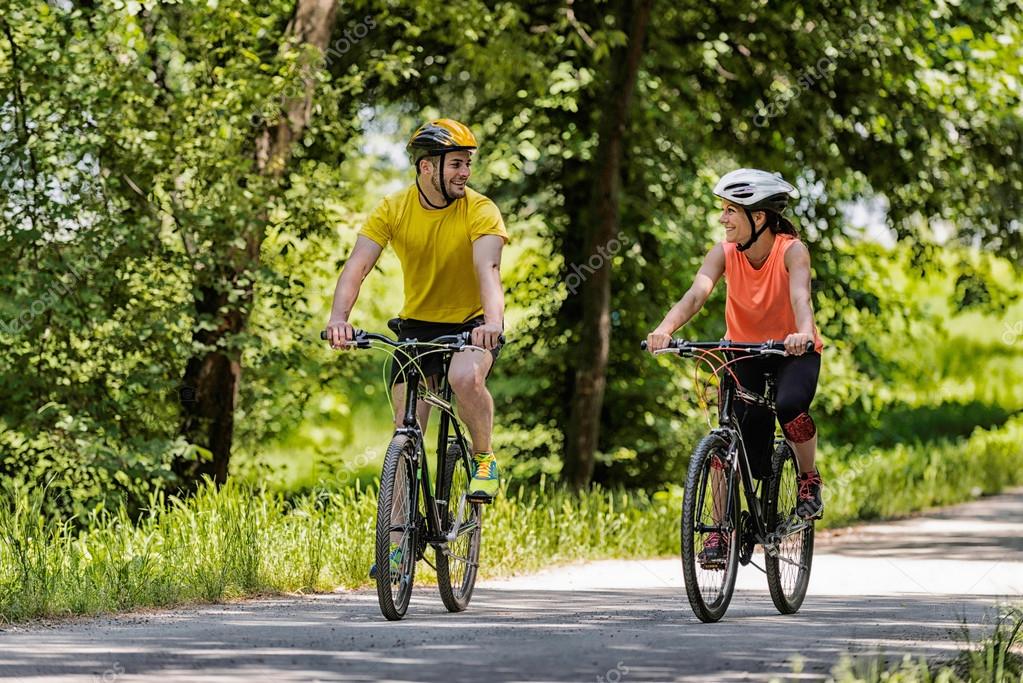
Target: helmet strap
{"x":754,"y":233}
{"x":442,"y":190}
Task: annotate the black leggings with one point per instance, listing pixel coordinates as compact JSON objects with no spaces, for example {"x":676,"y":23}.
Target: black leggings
{"x":796,"y":385}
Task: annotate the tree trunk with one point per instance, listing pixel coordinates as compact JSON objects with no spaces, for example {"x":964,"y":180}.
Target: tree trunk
{"x":208,"y":395}
{"x":210,"y":384}
{"x":595,"y":291}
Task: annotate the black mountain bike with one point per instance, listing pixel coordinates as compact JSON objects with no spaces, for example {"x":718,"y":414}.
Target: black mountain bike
{"x":719,"y":475}
{"x":411,"y":516}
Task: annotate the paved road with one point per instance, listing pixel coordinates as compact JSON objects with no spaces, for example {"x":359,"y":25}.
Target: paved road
{"x":905,"y":587}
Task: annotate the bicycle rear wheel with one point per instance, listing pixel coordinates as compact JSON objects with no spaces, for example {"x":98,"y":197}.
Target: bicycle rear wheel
{"x":458,"y":565}
{"x":788,"y":570}
{"x":396,"y":524}
{"x":706,"y":510}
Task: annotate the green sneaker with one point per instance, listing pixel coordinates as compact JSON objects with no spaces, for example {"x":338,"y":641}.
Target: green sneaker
{"x":395,"y":563}
{"x":486,"y":479}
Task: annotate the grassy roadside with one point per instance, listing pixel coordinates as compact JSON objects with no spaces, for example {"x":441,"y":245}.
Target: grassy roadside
{"x":996,"y":659}
{"x":239,"y":541}
{"x":243,"y":541}
{"x":882,"y":483}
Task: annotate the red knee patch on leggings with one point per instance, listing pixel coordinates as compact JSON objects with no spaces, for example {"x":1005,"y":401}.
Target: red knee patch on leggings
{"x":801,"y":429}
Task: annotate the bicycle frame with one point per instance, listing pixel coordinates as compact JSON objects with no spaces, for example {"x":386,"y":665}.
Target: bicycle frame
{"x":435,"y":534}
{"x":737,"y":458}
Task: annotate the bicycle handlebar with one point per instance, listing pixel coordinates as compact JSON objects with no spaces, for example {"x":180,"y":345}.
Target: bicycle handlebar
{"x":685,"y":347}
{"x":453,"y":342}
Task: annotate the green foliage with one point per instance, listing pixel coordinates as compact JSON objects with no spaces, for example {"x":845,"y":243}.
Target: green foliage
{"x":83,"y":467}
{"x":708,"y":80}
{"x":131,"y":184}
{"x":130,"y":193}
{"x":941,"y":472}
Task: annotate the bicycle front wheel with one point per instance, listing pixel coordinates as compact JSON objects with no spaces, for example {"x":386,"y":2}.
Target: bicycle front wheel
{"x":458,"y":562}
{"x":788,"y":567}
{"x":710,"y":530}
{"x":396,"y":532}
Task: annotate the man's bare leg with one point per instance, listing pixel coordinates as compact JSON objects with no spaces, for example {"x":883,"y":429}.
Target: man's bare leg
{"x":468,"y":378}
{"x":398,"y":398}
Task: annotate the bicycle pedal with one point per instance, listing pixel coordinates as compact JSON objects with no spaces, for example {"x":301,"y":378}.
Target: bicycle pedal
{"x":479,"y":498}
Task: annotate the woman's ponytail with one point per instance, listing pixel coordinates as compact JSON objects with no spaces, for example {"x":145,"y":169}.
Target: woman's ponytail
{"x":778,"y":224}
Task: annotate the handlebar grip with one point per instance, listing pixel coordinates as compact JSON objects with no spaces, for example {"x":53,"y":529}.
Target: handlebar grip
{"x":323,"y":335}
{"x":672,"y":344}
{"x":467,"y":338}
{"x":780,"y":346}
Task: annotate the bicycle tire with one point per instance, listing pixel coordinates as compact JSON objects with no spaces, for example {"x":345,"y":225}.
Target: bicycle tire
{"x":788,"y":572}
{"x":397,"y":482}
{"x":709,"y":589}
{"x":456,"y":578}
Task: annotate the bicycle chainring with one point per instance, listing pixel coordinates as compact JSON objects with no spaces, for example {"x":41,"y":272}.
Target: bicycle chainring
{"x":747,"y":538}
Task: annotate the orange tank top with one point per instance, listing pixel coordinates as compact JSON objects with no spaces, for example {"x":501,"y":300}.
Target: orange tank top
{"x":758,"y":307}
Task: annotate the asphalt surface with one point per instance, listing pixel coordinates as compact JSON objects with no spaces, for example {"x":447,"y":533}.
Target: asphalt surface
{"x":916,"y":586}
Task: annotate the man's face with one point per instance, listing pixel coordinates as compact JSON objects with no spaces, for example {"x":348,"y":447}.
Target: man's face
{"x":457,"y":169}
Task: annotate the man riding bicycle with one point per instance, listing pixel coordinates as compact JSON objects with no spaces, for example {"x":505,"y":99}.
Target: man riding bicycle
{"x":767,"y":274}
{"x":448,"y":238}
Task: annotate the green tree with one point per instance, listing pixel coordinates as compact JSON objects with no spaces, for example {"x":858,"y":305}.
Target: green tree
{"x":859,"y":99}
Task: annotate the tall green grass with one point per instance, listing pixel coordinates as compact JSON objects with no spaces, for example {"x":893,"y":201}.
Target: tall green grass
{"x":878,"y":483}
{"x":241,"y":540}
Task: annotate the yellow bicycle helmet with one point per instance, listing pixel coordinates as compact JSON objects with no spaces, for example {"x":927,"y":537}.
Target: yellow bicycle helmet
{"x":437,"y":138}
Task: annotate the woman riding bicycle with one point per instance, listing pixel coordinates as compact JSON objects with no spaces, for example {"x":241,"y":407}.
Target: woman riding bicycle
{"x":767,"y":275}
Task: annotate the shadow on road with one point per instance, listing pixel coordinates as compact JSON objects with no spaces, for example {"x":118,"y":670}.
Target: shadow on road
{"x":507,"y":635}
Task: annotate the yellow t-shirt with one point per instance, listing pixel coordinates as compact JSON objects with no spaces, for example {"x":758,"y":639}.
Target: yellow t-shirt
{"x":435,"y":251}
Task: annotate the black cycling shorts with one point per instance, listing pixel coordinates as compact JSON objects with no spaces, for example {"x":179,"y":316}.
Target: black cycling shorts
{"x":430,"y":364}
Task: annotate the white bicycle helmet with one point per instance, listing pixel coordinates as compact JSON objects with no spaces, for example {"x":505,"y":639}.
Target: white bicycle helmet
{"x":755,"y":190}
